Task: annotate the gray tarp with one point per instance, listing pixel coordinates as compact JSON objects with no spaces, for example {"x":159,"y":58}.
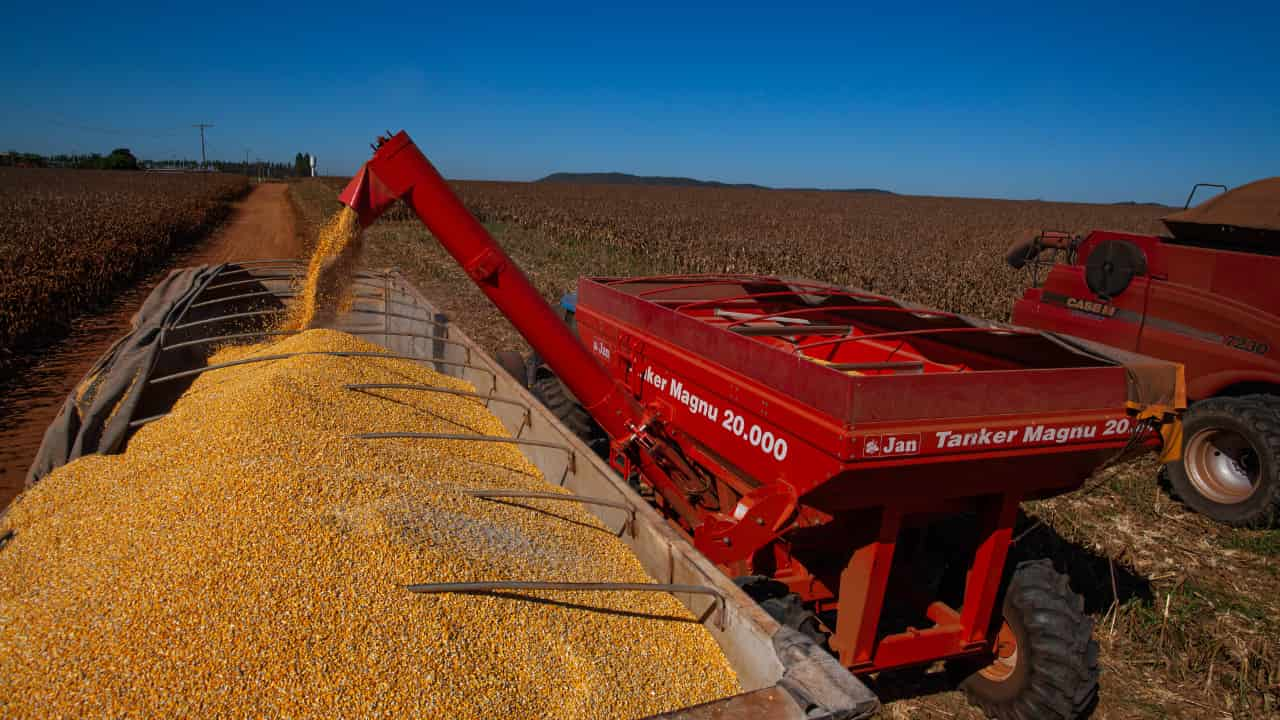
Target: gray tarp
{"x":95,"y":417}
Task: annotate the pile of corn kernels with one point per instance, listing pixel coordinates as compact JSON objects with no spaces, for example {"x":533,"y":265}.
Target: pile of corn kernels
{"x":246,"y":558}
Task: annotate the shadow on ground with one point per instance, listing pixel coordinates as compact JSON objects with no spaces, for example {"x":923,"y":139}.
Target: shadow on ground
{"x":1100,"y":581}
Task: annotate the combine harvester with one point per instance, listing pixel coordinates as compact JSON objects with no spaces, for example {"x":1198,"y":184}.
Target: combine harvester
{"x":828,"y":479}
{"x":823,"y":446}
{"x":1204,"y":296}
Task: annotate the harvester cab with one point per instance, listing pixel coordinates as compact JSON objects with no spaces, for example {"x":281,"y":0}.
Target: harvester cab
{"x":1203,"y":295}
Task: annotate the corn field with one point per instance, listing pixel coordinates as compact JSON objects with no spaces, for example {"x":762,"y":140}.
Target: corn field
{"x":72,"y":238}
{"x":942,"y":252}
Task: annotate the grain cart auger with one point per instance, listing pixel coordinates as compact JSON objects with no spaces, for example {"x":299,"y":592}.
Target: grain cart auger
{"x":856,"y":462}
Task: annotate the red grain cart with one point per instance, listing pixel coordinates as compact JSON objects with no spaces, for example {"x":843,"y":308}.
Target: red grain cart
{"x":857,"y":463}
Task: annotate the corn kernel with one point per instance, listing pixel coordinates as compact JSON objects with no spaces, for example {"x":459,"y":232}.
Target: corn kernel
{"x":246,"y":558}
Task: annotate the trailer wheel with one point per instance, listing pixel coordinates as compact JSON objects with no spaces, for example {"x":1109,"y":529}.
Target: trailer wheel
{"x":550,"y":391}
{"x":1046,"y":664}
{"x":1230,"y":467}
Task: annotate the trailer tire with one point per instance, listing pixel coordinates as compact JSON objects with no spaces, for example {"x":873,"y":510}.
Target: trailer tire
{"x":1054,"y":670}
{"x":1230,"y":466}
{"x":552,"y":393}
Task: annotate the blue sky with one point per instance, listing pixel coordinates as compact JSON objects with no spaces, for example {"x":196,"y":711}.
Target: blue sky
{"x":1088,"y":102}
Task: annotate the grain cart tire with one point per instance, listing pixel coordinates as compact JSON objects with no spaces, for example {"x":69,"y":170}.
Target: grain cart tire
{"x":513,"y":363}
{"x":550,"y":391}
{"x":790,"y":612}
{"x":1046,"y":665}
{"x":783,"y":606}
{"x":1230,"y":466}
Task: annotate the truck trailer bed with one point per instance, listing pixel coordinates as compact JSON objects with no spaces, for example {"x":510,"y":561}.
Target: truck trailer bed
{"x":783,"y":673}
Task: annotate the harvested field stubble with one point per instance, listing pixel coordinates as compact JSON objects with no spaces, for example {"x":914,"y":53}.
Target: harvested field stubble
{"x":247,"y":558}
{"x":72,"y":238}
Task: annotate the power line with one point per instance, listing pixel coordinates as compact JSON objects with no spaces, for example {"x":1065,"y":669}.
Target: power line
{"x":203,"y":161}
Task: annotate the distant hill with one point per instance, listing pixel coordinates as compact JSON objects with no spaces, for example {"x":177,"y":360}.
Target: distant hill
{"x":868,"y":191}
{"x":617,"y":178}
{"x":1135,"y":203}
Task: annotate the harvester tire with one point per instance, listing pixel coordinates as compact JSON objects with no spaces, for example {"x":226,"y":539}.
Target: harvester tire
{"x":1270,"y":401}
{"x":552,"y":393}
{"x":1230,"y":466}
{"x":1050,"y":669}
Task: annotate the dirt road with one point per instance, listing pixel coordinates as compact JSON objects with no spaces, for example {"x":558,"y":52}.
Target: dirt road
{"x":260,"y":226}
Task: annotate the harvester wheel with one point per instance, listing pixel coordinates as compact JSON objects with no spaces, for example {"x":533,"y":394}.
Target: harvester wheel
{"x":1230,"y":467}
{"x":1046,"y":660}
{"x":548,"y":389}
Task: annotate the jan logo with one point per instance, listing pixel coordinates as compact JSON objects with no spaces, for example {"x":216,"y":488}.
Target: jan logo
{"x":885,"y":445}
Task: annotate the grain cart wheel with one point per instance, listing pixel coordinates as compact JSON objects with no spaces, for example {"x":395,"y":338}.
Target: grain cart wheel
{"x":549,"y":391}
{"x":513,"y":363}
{"x":783,"y":606}
{"x":1230,"y":467}
{"x":1046,"y":664}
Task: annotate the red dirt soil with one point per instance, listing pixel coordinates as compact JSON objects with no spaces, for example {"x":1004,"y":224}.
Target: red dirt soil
{"x":261,"y":226}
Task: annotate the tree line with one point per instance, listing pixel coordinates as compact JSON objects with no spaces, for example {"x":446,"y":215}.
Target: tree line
{"x":124,"y":159}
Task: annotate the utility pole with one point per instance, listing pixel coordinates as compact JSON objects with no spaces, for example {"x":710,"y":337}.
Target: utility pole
{"x":204,"y":162}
